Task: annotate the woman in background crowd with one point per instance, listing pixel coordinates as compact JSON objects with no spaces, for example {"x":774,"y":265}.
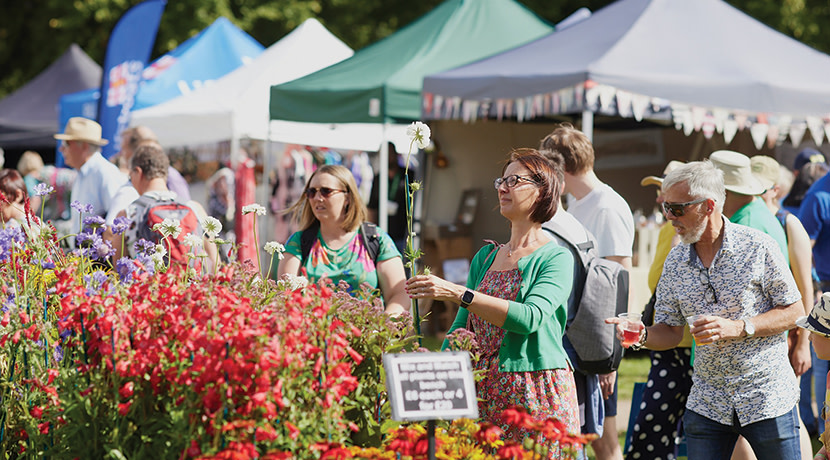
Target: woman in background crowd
{"x":330,"y":207}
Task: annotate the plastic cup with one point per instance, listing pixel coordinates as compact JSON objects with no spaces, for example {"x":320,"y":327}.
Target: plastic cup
{"x":691,"y":321}
{"x":631,"y":328}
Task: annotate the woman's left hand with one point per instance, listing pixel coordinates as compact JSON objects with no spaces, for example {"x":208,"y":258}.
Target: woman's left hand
{"x":433,"y":287}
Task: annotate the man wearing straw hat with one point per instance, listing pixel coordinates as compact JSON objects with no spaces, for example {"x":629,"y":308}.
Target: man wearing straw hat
{"x":742,"y":205}
{"x":98,"y":180}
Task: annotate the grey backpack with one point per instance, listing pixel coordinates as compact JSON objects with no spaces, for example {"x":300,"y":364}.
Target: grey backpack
{"x":600,"y":291}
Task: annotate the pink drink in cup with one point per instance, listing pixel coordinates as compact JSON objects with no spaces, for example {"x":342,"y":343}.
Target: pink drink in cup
{"x":631,"y":329}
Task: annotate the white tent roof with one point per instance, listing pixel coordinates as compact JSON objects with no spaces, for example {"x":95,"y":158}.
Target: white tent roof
{"x":236,"y":105}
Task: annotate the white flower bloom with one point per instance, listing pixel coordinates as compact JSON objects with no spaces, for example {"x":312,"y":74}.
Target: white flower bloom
{"x":168,"y":227}
{"x":193,"y":241}
{"x":292,"y":282}
{"x":160,"y":249}
{"x":212,"y":226}
{"x":272,"y":246}
{"x":259,"y":210}
{"x":419,"y":133}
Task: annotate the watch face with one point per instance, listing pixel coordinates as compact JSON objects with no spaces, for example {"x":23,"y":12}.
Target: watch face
{"x":749,"y":328}
{"x":467,"y":297}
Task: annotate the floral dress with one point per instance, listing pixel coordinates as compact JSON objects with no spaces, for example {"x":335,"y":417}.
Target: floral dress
{"x":549,"y":393}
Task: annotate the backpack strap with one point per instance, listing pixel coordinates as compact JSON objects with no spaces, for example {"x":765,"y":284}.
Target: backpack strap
{"x":307,"y":240}
{"x":371,"y":239}
{"x":368,"y":232}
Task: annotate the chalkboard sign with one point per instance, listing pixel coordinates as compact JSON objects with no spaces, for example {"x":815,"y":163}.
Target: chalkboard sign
{"x":430,"y":386}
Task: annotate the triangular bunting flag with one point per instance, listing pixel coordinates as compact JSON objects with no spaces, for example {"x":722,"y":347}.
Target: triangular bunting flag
{"x":624,"y":104}
{"x":720,"y":115}
{"x":638,"y":106}
{"x":772,"y":135}
{"x":797,"y":131}
{"x":730,"y":128}
{"x":708,"y":126}
{"x":759,"y":131}
{"x":697,"y":117}
{"x":816,"y":129}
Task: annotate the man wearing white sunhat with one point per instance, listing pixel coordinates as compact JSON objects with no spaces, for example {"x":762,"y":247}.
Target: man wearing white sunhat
{"x":742,"y":205}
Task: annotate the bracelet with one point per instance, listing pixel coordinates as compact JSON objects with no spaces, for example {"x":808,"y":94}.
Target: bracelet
{"x":640,"y":343}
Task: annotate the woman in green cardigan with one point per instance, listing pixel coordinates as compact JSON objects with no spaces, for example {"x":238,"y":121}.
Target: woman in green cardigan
{"x":515,"y":302}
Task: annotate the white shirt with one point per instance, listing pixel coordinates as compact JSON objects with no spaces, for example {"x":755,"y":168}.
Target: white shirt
{"x":607,"y":216}
{"x":97,"y":184}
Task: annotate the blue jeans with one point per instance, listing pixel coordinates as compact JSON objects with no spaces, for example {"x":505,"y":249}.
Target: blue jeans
{"x":771,"y":439}
{"x":813,"y":381}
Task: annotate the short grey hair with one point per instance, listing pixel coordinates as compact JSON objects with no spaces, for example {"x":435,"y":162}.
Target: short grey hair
{"x":703,"y":178}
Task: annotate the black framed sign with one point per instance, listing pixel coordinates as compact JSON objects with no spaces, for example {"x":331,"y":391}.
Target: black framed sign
{"x":430,"y":386}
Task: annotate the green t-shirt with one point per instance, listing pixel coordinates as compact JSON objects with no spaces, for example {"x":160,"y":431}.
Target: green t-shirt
{"x":757,"y":215}
{"x":351,"y":263}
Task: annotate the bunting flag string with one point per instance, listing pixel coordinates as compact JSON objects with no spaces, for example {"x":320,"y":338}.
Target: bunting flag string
{"x":765,"y":128}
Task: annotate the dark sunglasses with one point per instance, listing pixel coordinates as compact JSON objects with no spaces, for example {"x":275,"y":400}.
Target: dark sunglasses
{"x":678,"y":209}
{"x":511,"y":181}
{"x":311,"y":192}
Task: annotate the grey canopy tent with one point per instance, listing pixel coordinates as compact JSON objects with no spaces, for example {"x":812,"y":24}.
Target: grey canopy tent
{"x":29,"y":116}
{"x":698,"y":58}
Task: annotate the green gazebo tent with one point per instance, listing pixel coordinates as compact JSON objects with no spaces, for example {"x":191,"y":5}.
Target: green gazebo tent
{"x":381,"y":84}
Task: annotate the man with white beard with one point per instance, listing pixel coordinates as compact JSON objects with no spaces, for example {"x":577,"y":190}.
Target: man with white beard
{"x":735,"y":279}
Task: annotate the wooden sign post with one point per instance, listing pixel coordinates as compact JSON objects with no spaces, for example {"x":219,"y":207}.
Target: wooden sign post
{"x":430,"y":386}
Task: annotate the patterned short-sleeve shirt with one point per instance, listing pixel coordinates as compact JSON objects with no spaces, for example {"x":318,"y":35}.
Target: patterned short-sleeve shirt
{"x":748,"y":376}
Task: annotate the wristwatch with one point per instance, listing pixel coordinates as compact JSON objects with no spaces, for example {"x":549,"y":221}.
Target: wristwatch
{"x":467,"y":298}
{"x":749,"y":328}
{"x":640,"y":343}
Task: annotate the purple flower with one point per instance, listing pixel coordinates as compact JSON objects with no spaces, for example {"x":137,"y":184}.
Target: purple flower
{"x":143,"y":246}
{"x":94,"y":221}
{"x":47,"y":265}
{"x":42,"y":189}
{"x":95,"y":282}
{"x":58,"y":354}
{"x":82,"y":208}
{"x":125,"y":267}
{"x":101,"y":249}
{"x":120,"y":225}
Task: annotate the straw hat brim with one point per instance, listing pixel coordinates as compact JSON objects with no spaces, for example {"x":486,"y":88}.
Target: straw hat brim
{"x":69,"y":137}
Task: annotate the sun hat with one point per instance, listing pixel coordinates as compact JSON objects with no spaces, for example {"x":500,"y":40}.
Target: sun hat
{"x":766,"y":170}
{"x":658,"y":181}
{"x":818,"y":320}
{"x":84,"y":130}
{"x":807,"y":155}
{"x":737,"y":172}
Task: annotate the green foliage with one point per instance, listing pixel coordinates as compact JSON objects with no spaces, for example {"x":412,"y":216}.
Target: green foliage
{"x":34,"y":33}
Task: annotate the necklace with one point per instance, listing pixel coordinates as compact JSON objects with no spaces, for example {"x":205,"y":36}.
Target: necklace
{"x":510,"y":250}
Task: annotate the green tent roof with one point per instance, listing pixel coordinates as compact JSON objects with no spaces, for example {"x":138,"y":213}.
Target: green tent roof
{"x":383,"y":82}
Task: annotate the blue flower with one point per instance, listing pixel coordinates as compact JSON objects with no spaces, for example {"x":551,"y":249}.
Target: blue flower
{"x":42,"y":189}
{"x":58,"y":354}
{"x":94,"y":221}
{"x":125,"y":267}
{"x":143,"y":246}
{"x":120,"y":225}
{"x":82,"y":208}
{"x":47,"y":265}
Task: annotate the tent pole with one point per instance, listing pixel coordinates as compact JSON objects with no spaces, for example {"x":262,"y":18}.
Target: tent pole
{"x":588,"y":124}
{"x":266,"y":175}
{"x":383,"y":175}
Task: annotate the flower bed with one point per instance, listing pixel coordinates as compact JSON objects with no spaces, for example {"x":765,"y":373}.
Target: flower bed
{"x":147,"y":360}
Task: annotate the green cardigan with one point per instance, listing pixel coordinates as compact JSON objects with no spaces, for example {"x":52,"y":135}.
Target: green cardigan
{"x":536,"y":320}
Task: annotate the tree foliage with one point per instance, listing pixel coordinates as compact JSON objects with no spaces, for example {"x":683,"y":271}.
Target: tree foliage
{"x":33,"y":33}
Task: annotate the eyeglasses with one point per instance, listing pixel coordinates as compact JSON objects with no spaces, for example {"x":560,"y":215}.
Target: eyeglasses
{"x":679,"y":209}
{"x":326,"y":192}
{"x":511,"y":181}
{"x":709,"y":296}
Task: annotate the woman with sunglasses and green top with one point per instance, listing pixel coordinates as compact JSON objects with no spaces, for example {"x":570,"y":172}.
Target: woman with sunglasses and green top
{"x":331,"y":208}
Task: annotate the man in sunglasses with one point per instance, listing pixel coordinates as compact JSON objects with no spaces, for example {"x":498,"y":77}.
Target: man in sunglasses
{"x":736,"y":277}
